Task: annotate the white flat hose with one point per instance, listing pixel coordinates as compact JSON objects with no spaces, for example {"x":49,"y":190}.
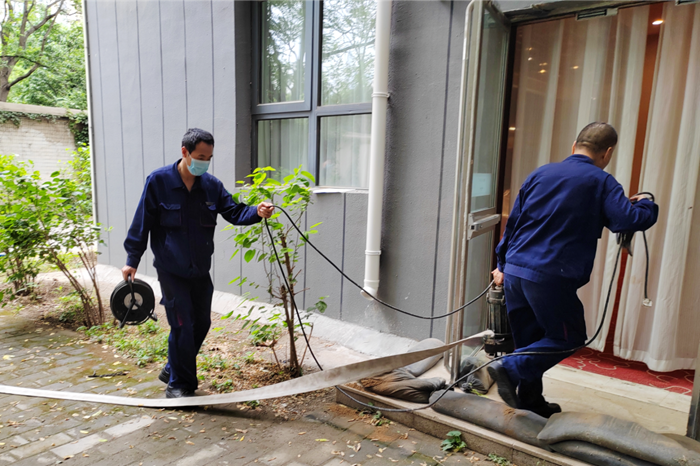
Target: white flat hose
{"x":308,"y":383}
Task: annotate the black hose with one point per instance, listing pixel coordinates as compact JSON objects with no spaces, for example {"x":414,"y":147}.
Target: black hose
{"x":306,"y":240}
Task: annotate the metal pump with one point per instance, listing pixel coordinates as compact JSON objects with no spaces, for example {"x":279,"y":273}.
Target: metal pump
{"x":502,"y":340}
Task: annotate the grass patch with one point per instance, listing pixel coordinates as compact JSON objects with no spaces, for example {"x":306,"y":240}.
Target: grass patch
{"x":145,"y":343}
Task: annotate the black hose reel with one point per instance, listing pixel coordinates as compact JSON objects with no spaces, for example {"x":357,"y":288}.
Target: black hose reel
{"x":133,"y":302}
{"x":502,"y":340}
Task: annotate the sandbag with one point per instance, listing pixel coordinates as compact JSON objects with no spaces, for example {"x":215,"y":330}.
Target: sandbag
{"x":594,"y":454}
{"x":515,"y":423}
{"x":626,"y":437}
{"x":686,"y":442}
{"x":401,"y":384}
{"x":480,"y":381}
{"x":421,"y":367}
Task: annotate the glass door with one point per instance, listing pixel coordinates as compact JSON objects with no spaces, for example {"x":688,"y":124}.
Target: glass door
{"x":475,"y":215}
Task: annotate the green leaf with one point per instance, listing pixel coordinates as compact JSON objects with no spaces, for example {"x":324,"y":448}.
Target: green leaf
{"x":249,"y":255}
{"x":309,"y":176}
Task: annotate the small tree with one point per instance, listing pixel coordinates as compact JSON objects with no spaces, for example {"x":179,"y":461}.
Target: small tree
{"x":52,"y":218}
{"x":19,"y":230}
{"x":294,"y":195}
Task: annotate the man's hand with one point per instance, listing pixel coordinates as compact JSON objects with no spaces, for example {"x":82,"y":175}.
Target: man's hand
{"x":126,"y":271}
{"x":265,"y":209}
{"x":497,"y":277}
{"x":638,"y":197}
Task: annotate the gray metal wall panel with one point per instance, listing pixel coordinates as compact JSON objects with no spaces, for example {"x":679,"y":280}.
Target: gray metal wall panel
{"x":320,"y":277}
{"x":101,"y":206}
{"x":151,"y":80}
{"x":111,"y":114}
{"x":223,"y":47}
{"x":175,"y":98}
{"x":130,"y":96}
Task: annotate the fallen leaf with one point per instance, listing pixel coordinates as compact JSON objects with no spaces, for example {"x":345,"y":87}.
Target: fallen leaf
{"x":242,"y":431}
{"x":189,"y":443}
{"x":83,"y":431}
{"x":321,"y":439}
{"x":7,"y":357}
{"x":302,"y":433}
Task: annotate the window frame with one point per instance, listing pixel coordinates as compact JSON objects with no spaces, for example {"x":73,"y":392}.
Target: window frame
{"x":311,"y":107}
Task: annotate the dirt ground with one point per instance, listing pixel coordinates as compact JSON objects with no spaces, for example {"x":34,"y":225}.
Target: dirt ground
{"x":228,"y":361}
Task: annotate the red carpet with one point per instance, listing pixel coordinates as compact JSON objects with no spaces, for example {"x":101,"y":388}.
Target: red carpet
{"x":632,"y":371}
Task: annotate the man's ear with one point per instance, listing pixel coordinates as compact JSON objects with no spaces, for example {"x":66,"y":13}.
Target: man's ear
{"x":608,"y":154}
{"x":184,"y":152}
{"x":573,"y":148}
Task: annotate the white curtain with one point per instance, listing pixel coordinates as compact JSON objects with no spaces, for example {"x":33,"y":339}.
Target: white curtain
{"x":665,"y":336}
{"x":572,"y":73}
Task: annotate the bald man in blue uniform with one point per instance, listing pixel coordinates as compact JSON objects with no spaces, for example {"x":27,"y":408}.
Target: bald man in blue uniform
{"x":178,"y":208}
{"x":547,"y":253}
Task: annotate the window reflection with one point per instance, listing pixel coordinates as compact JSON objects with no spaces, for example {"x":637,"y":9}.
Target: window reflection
{"x":348,"y":51}
{"x":283,"y":51}
{"x":283,"y":144}
{"x":345,"y":151}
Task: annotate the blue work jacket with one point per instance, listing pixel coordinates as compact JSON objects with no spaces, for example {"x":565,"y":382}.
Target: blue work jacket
{"x":182,"y":222}
{"x":558,"y":216}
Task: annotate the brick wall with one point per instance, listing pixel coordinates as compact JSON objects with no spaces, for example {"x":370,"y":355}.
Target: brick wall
{"x":48,"y":144}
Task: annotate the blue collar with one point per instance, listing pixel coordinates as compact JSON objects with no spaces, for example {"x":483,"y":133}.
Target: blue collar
{"x":579,"y":158}
{"x":175,"y":180}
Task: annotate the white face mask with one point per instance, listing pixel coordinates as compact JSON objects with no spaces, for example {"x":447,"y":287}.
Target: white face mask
{"x":198,"y":167}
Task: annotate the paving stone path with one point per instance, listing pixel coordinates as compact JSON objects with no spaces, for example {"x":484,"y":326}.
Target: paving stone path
{"x":37,"y":431}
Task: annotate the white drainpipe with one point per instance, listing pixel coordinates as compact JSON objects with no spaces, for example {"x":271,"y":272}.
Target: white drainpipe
{"x":380,"y":96}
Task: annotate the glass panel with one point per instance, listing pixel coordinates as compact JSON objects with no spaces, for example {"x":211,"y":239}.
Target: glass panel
{"x":348,"y":51}
{"x":489,"y":113}
{"x":478,"y":277}
{"x":345,"y":151}
{"x":283,"y":51}
{"x":283,"y":144}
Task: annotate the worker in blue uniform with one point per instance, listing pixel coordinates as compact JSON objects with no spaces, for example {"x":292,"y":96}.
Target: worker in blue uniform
{"x":547,"y":253}
{"x":178,"y":208}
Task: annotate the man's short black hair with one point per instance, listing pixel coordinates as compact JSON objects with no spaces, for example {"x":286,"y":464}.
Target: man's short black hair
{"x":597,"y":137}
{"x":194,"y":136}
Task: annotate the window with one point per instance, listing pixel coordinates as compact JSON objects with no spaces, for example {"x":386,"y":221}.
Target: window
{"x":314,"y":66}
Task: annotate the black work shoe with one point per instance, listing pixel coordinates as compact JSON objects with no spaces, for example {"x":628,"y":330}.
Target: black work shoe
{"x":545,"y":410}
{"x":164,"y":375}
{"x":506,"y":389}
{"x":172,"y":392}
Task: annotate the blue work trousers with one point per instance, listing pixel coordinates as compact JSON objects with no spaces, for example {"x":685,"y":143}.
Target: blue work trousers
{"x":187,"y":303}
{"x":543,"y":318}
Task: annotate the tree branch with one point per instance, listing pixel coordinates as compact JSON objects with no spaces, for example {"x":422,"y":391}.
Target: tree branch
{"x":24,"y":76}
{"x":47,"y":18}
{"x":22,"y":57}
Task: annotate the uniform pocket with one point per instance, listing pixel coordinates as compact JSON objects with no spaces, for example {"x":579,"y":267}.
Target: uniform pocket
{"x":207,"y":216}
{"x":170,"y":215}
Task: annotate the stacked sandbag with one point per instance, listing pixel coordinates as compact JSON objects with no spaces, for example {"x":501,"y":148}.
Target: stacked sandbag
{"x":404,"y":383}
{"x":606,"y":441}
{"x":515,"y":423}
{"x":401,"y":384}
{"x":480,"y":381}
{"x":421,"y":367}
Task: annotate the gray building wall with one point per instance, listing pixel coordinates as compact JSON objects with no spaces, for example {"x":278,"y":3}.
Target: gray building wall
{"x":159,"y":67}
